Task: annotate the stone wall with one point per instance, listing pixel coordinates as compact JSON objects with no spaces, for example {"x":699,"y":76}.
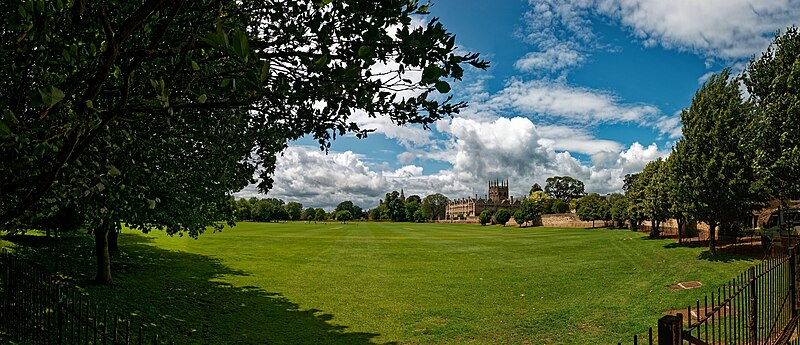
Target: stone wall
{"x":567,"y":220}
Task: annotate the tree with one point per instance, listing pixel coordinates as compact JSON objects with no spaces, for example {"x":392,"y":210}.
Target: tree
{"x":656,"y":205}
{"x":485,"y":217}
{"x":412,"y":206}
{"x":375,"y":213}
{"x":619,"y":210}
{"x":355,"y":210}
{"x":295,"y":210}
{"x":309,"y":214}
{"x":344,"y":216}
{"x":244,"y":210}
{"x":434,"y":206}
{"x":564,"y":188}
{"x":716,"y":161}
{"x":320,"y":215}
{"x":530,"y":208}
{"x":212,"y":98}
{"x":502,"y":216}
{"x":679,"y":191}
{"x":535,"y":188}
{"x":772,"y":82}
{"x":395,"y":207}
{"x":634,"y":192}
{"x":559,"y":206}
{"x":593,"y":207}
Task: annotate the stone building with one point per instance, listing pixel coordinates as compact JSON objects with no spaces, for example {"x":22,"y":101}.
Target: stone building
{"x":497,"y":198}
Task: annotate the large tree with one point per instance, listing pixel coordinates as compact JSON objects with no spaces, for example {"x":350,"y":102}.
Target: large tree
{"x":434,"y":206}
{"x":593,"y":207}
{"x":713,"y":156}
{"x":773,"y":81}
{"x":294,"y":209}
{"x":108,"y":100}
{"x":679,"y":190}
{"x":656,"y":203}
{"x":564,"y":188}
{"x":634,"y":192}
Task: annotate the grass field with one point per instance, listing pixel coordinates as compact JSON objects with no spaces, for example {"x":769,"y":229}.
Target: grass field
{"x":295,"y":283}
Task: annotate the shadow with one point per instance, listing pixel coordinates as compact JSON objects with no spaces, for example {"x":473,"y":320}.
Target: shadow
{"x":680,"y":245}
{"x":180,"y":295}
{"x":723,"y":256}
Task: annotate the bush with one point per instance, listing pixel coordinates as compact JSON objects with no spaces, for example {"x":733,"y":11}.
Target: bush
{"x":559,"y":206}
{"x":485,"y":217}
{"x":502,"y":216}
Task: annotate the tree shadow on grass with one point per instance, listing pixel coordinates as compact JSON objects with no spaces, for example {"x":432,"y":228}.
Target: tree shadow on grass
{"x":723,"y":257}
{"x":181,"y":296}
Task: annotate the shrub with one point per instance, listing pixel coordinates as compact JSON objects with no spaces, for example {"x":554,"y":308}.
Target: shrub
{"x":502,"y":216}
{"x":485,"y":217}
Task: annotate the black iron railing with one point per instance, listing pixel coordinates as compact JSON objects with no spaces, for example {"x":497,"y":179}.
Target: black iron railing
{"x":40,"y":309}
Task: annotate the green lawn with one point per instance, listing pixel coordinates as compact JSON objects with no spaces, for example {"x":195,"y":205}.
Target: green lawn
{"x":403,"y":283}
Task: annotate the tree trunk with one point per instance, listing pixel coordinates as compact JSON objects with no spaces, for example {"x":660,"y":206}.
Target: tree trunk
{"x":113,"y":237}
{"x":592,"y":223}
{"x":101,"y":252}
{"x":654,"y":233}
{"x":48,"y":232}
{"x":712,"y":245}
{"x":681,"y":222}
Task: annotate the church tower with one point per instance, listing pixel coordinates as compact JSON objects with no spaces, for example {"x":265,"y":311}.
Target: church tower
{"x":498,"y":190}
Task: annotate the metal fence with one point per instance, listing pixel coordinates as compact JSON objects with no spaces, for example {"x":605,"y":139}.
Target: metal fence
{"x":40,"y":309}
{"x":757,"y":307}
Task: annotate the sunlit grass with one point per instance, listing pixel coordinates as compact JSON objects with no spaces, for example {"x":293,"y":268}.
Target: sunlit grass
{"x":398,"y":282}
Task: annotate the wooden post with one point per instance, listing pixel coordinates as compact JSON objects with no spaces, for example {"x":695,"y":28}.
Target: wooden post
{"x":670,"y":329}
{"x":752,"y":323}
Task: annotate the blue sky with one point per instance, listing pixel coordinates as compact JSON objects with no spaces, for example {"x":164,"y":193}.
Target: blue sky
{"x":587,"y":88}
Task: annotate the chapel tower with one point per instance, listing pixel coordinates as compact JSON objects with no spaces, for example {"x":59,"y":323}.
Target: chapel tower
{"x":498,"y":190}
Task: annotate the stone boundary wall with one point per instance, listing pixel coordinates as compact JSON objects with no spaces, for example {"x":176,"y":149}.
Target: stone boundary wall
{"x":571,"y":220}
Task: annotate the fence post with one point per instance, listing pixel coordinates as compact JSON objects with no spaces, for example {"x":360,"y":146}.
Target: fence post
{"x":6,"y":287}
{"x":670,"y":329}
{"x":752,"y":323}
{"x":60,"y":313}
{"x":793,"y":282}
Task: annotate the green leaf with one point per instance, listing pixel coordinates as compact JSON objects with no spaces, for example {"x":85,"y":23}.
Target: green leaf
{"x":4,"y":130}
{"x":431,"y":74}
{"x":9,"y":115}
{"x":240,"y":44}
{"x":364,"y":51}
{"x":51,"y":96}
{"x":195,"y":66}
{"x":89,"y":104}
{"x":202,"y":98}
{"x":321,"y":62}
{"x":264,"y":71}
{"x":100,"y":186}
{"x":225,"y":82}
{"x":442,"y":86}
{"x":113,"y":171}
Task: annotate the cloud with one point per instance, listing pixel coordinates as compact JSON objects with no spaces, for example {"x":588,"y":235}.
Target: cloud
{"x":564,"y":138}
{"x":552,"y":59}
{"x":573,"y":104}
{"x":727,"y":29}
{"x":478,"y":151}
{"x":408,"y":135}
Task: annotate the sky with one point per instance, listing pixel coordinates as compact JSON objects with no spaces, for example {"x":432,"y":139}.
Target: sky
{"x":590,"y":89}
